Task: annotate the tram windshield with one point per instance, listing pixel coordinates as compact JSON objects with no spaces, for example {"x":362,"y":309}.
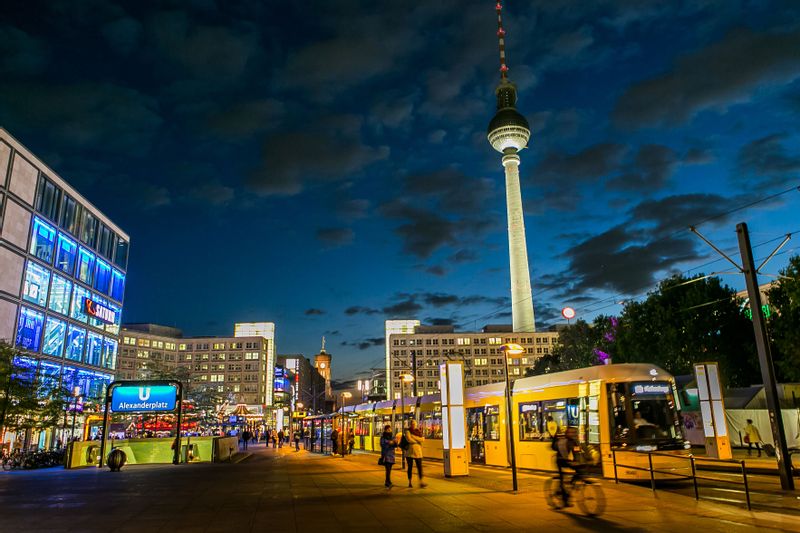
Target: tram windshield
{"x":644,"y":415}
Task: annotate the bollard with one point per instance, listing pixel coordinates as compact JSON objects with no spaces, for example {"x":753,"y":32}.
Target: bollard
{"x":116,"y":460}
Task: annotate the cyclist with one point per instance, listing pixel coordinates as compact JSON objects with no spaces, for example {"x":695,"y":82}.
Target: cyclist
{"x":567,"y":450}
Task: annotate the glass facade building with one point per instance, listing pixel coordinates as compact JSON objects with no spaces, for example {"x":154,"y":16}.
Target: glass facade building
{"x":62,"y":275}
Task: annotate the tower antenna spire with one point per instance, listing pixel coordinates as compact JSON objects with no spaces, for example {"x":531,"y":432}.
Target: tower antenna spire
{"x":501,"y":37}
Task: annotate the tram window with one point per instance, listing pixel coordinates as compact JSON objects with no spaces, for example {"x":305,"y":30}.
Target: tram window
{"x":431,"y":424}
{"x":491,"y":420}
{"x":617,"y":404}
{"x":558,"y":410}
{"x":530,"y":421}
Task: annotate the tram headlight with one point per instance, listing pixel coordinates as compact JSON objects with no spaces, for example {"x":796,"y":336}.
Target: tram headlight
{"x":646,"y":448}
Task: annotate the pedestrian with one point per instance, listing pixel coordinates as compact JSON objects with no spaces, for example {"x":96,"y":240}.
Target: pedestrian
{"x":280,"y":438}
{"x":752,"y":436}
{"x":388,"y":446}
{"x":334,"y":441}
{"x":351,"y":442}
{"x":413,"y":451}
{"x":297,"y":440}
{"x":274,"y":439}
{"x":245,"y":438}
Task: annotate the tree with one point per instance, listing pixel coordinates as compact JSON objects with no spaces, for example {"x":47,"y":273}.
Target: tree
{"x":784,"y":322}
{"x":579,"y":345}
{"x":27,"y":402}
{"x":689,"y":320}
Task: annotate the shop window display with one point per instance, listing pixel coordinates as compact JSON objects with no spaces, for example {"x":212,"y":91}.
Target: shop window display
{"x":76,"y":339}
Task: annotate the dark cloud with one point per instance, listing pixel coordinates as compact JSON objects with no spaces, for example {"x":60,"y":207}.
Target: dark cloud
{"x":405,"y":307}
{"x":423,"y":232}
{"x":677,"y":212}
{"x":352,"y":208}
{"x":440,"y":321}
{"x":365,"y":343}
{"x":650,"y":170}
{"x":436,"y":270}
{"x":450,"y":187}
{"x":287,"y":167}
{"x":243,"y":119}
{"x":359,"y":310}
{"x":464,"y":256}
{"x":212,"y":193}
{"x":698,"y":156}
{"x":723,"y":73}
{"x":101,"y":117}
{"x":336,"y":236}
{"x":766,"y":162}
{"x":314,"y":312}
{"x":123,"y":34}
{"x":20,"y":53}
{"x":593,"y":162}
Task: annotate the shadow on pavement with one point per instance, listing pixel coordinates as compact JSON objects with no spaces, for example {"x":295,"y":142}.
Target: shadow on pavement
{"x":598,"y":523}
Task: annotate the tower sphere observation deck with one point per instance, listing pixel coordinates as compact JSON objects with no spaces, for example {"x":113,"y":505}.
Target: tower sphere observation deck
{"x":508,"y":130}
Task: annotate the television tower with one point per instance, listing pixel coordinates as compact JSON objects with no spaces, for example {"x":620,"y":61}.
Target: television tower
{"x":508,"y":133}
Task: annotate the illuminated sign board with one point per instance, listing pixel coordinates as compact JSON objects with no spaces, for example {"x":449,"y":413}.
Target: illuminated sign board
{"x":99,"y":311}
{"x":649,"y":387}
{"x":135,"y":398}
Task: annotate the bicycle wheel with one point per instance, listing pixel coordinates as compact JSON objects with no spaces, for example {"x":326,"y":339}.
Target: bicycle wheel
{"x":552,"y":493}
{"x":6,"y":464}
{"x":590,"y":498}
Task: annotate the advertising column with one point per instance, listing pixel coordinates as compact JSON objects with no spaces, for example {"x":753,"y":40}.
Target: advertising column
{"x":454,"y":429}
{"x":715,"y":428}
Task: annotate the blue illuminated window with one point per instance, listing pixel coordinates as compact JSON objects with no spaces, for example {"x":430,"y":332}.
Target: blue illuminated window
{"x":60,"y":292}
{"x":96,"y":321}
{"x":85,"y":266}
{"x":109,"y":353}
{"x":102,"y":276}
{"x":65,"y":254}
{"x":29,"y":329}
{"x":49,"y":377}
{"x":78,"y":308}
{"x":76,"y":338}
{"x":117,"y":284}
{"x":94,"y":349}
{"x":54,"y":337}
{"x":43,"y":240}
{"x":37,"y":281}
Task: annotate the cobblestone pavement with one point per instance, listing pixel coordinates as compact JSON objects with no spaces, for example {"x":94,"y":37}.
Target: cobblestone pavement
{"x":286,"y":491}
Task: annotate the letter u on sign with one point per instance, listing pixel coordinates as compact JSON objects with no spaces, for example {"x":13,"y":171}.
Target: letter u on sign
{"x":144,"y":393}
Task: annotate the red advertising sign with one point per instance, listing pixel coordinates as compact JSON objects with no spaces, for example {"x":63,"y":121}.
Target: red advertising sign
{"x":99,"y":311}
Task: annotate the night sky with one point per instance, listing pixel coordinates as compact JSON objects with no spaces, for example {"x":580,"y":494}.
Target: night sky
{"x":324,"y":164}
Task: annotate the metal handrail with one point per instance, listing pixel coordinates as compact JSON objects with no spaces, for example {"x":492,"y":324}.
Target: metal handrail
{"x":694,"y":477}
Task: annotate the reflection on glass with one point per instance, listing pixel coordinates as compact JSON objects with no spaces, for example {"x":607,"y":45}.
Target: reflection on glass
{"x":59,"y":294}
{"x":85,"y":265}
{"x":78,"y":308}
{"x":76,"y":338}
{"x":102,"y":276}
{"x":37,"y":280}
{"x":117,"y":285}
{"x":94,"y":349}
{"x":54,"y":337}
{"x":65,"y":254}
{"x":29,"y":329}
{"x":43,"y":240}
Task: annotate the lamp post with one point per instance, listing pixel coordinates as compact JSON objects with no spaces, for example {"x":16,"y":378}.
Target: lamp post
{"x":345,"y":395}
{"x":76,"y":393}
{"x":405,"y":378}
{"x":510,"y":350}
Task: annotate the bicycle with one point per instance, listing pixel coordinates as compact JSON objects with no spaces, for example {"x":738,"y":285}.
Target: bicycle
{"x":581,"y":489}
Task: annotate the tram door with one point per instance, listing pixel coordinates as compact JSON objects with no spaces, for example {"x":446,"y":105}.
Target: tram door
{"x":475,"y":427}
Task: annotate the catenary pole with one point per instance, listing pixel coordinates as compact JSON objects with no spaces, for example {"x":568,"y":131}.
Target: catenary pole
{"x":765,"y":360}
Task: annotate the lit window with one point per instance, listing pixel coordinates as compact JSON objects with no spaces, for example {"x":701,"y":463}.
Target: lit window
{"x":59,"y":295}
{"x":54,"y":337}
{"x":85,"y":265}
{"x":117,"y":285}
{"x":43,"y":240}
{"x":29,"y":329}
{"x":94,"y":349}
{"x":76,"y":338}
{"x":66,"y":252}
{"x":37,"y":279}
{"x":78,"y":307}
{"x":109,"y":353}
{"x":102,"y":276}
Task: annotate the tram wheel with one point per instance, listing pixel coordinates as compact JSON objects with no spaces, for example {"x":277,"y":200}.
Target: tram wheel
{"x":590,"y":498}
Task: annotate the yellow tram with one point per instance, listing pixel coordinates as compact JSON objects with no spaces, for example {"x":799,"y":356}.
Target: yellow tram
{"x":615,"y":407}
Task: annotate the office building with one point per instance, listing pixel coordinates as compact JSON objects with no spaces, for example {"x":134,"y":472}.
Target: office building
{"x":421,"y":351}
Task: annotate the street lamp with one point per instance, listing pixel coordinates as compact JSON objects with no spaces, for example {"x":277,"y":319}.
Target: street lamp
{"x":76,"y":393}
{"x":405,"y":378}
{"x":345,"y":395}
{"x":507,"y":350}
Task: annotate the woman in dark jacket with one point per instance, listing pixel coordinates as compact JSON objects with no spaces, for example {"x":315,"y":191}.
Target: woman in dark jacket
{"x":388,"y":445}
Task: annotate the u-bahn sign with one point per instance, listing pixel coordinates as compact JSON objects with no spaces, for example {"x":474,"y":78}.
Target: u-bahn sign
{"x":143,"y":397}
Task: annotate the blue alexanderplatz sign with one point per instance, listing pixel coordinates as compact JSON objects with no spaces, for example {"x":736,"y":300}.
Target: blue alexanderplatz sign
{"x":136,"y":398}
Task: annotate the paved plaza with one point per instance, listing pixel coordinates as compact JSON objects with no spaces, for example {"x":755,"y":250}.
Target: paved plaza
{"x":282,"y":490}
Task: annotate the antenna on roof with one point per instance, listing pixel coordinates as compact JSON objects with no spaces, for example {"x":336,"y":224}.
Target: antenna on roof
{"x":501,"y":37}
